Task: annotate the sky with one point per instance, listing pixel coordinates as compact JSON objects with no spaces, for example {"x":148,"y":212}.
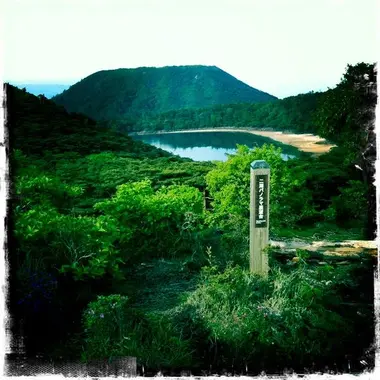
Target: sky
{"x":283,"y":47}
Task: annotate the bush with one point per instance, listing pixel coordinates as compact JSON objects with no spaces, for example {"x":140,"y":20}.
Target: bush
{"x":113,"y":329}
{"x":351,"y":205}
{"x":154,"y":223}
{"x":106,"y":322}
{"x":229,"y":186}
{"x":81,"y":245}
{"x":47,"y":234}
{"x":249,"y":319}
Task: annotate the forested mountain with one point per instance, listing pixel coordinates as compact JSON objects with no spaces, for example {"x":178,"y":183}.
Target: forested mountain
{"x":38,"y":125}
{"x":294,"y":113}
{"x":117,"y":94}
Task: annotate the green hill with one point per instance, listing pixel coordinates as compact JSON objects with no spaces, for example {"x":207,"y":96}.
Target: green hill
{"x":37,"y":125}
{"x":122,"y":93}
{"x":80,"y":151}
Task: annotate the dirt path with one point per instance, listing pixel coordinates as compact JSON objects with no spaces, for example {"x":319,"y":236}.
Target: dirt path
{"x":305,"y":142}
{"x":343,"y":248}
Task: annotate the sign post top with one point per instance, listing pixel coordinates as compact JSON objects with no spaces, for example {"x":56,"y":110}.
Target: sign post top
{"x":259,"y":164}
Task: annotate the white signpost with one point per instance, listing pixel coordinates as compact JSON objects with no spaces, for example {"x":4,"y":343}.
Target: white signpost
{"x":259,"y":216}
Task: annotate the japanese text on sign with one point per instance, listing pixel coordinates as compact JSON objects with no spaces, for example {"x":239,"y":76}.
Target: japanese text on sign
{"x":261,"y":201}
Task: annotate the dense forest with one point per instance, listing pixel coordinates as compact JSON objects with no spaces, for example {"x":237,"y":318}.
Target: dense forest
{"x":294,"y":113}
{"x":131,"y":93}
{"x":112,"y":252}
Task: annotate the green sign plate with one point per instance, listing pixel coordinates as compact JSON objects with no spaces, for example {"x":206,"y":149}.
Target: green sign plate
{"x":261,"y":203}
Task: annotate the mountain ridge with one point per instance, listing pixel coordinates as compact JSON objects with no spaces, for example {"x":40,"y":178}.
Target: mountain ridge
{"x":46,"y":89}
{"x":121,"y":93}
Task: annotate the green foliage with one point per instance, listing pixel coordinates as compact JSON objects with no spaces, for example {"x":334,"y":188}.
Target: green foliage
{"x":40,"y":190}
{"x":350,"y":206}
{"x":82,"y":245}
{"x":345,"y":112}
{"x":113,"y":329}
{"x":48,"y":141}
{"x":131,"y":93}
{"x":100,"y":174}
{"x":326,"y":230}
{"x":106,"y":321}
{"x":159,"y":345}
{"x":149,"y":208}
{"x":294,"y":113}
{"x":306,"y":192}
{"x":39,"y":127}
{"x":137,"y":221}
{"x":229,"y":185}
{"x":288,"y":316}
{"x":143,"y":216}
{"x":303,"y":195}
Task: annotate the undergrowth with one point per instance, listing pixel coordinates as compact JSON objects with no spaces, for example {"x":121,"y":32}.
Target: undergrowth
{"x":230,"y":318}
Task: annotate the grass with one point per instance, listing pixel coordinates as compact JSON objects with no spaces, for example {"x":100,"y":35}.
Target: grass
{"x":158,"y":286}
{"x":323,"y":231}
{"x":214,"y":319}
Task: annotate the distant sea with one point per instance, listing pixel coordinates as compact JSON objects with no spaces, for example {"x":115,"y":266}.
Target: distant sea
{"x":47,"y":89}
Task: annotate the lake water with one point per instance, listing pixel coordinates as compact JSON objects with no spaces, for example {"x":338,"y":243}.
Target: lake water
{"x":210,"y":146}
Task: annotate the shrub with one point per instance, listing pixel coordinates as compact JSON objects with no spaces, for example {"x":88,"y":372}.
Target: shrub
{"x":229,"y":185}
{"x":151,"y":223}
{"x":113,"y":328}
{"x":48,"y":235}
{"x":81,"y":245}
{"x":351,"y":204}
{"x":249,"y":319}
{"x":106,"y":322}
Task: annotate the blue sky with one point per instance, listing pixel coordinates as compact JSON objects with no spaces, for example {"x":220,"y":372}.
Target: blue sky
{"x":283,"y":47}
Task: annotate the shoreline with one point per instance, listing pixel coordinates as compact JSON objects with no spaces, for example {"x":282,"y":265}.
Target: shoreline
{"x":305,"y":142}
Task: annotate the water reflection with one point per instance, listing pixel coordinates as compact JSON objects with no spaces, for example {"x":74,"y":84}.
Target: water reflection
{"x":210,"y":146}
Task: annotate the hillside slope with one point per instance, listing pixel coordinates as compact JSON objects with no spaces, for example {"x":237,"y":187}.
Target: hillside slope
{"x":117,"y":94}
{"x":80,"y":151}
{"x":37,"y":125}
{"x":294,"y":113}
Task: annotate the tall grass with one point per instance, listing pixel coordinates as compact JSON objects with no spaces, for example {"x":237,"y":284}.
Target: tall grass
{"x":294,"y":317}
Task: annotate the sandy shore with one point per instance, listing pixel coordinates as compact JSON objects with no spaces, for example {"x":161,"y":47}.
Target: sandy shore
{"x":305,"y":142}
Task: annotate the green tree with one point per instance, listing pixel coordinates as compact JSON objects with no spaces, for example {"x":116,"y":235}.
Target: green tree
{"x":346,"y":115}
{"x":229,"y":186}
